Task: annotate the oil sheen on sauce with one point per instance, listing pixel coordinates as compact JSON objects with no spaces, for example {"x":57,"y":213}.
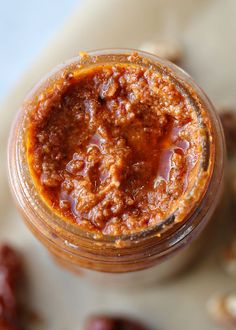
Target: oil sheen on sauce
{"x":114,"y":149}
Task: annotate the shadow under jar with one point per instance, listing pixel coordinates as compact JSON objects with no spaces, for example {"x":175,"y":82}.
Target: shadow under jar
{"x":116,"y":162}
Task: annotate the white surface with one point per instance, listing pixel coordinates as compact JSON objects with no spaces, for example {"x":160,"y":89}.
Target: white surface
{"x":207,"y":31}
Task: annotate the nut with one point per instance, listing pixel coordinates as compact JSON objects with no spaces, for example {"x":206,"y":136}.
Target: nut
{"x":170,"y":50}
{"x":222,"y":309}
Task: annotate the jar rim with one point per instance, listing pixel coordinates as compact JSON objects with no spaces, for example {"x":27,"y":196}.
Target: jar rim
{"x":183,"y":228}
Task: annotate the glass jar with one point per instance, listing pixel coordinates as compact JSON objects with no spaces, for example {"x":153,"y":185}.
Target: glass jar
{"x":152,"y":254}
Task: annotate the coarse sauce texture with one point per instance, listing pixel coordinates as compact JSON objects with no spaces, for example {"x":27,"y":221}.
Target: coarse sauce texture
{"x":115,"y":148}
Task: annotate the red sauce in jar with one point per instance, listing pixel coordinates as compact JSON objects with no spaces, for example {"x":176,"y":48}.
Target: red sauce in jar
{"x":114,"y":148}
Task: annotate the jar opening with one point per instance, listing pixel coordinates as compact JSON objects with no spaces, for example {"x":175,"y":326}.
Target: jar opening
{"x":190,"y":203}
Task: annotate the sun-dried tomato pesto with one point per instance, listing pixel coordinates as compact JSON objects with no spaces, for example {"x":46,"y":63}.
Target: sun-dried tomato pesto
{"x":114,"y":148}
